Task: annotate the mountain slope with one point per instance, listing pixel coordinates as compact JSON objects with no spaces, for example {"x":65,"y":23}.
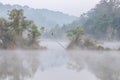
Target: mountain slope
{"x":42,"y":17}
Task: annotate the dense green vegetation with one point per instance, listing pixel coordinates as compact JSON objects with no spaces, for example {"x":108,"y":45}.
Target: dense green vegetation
{"x":18,"y":32}
{"x":101,"y":22}
{"x":75,"y":35}
{"x":79,"y":41}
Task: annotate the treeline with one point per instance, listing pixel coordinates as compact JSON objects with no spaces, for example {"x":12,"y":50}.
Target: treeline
{"x":101,"y":22}
{"x":18,"y":32}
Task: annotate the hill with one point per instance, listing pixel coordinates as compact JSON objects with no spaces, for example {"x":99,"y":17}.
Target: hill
{"x":42,"y":17}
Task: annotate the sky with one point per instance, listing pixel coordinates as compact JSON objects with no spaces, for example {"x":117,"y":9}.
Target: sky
{"x":71,"y":7}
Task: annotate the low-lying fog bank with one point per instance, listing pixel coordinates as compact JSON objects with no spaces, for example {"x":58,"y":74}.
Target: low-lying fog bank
{"x":56,"y":63}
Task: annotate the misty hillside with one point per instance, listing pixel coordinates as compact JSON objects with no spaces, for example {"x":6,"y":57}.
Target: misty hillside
{"x":42,"y":17}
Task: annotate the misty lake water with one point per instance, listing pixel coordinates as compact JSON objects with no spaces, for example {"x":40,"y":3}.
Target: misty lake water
{"x":56,"y":63}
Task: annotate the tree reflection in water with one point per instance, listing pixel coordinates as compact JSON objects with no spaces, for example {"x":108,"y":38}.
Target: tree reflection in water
{"x":104,"y":65}
{"x":18,"y":65}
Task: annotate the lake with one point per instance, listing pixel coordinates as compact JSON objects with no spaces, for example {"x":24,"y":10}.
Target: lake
{"x":56,"y":63}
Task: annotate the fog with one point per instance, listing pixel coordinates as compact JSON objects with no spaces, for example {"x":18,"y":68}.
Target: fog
{"x":65,"y":6}
{"x":56,"y":63}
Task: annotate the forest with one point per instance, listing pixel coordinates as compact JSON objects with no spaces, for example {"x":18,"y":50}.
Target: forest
{"x":101,"y":23}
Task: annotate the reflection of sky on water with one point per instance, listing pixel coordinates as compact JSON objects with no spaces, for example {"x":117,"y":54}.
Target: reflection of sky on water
{"x":51,"y":59}
{"x":54,"y":63}
{"x":62,"y":73}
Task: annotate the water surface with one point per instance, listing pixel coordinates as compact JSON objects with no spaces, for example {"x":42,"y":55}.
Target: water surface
{"x":56,"y":63}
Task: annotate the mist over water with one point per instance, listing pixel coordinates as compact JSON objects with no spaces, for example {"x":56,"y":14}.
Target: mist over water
{"x":56,"y":63}
{"x":40,"y":44}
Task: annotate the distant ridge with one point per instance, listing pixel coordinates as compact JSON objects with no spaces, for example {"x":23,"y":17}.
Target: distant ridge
{"x":42,"y":17}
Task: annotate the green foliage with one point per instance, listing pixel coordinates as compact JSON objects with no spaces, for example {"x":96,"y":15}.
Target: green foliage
{"x":88,"y":42}
{"x":75,"y":35}
{"x":12,"y":31}
{"x":34,"y":32}
{"x":101,"y":22}
{"x":102,"y":19}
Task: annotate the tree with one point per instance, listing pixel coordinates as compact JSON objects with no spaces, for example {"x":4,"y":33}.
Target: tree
{"x":6,"y":34}
{"x":16,"y":16}
{"x":102,"y":19}
{"x":33,"y":36}
{"x":13,"y":30}
{"x":75,"y":36}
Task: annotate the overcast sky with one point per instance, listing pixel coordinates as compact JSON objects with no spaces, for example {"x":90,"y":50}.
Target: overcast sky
{"x":71,"y":7}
